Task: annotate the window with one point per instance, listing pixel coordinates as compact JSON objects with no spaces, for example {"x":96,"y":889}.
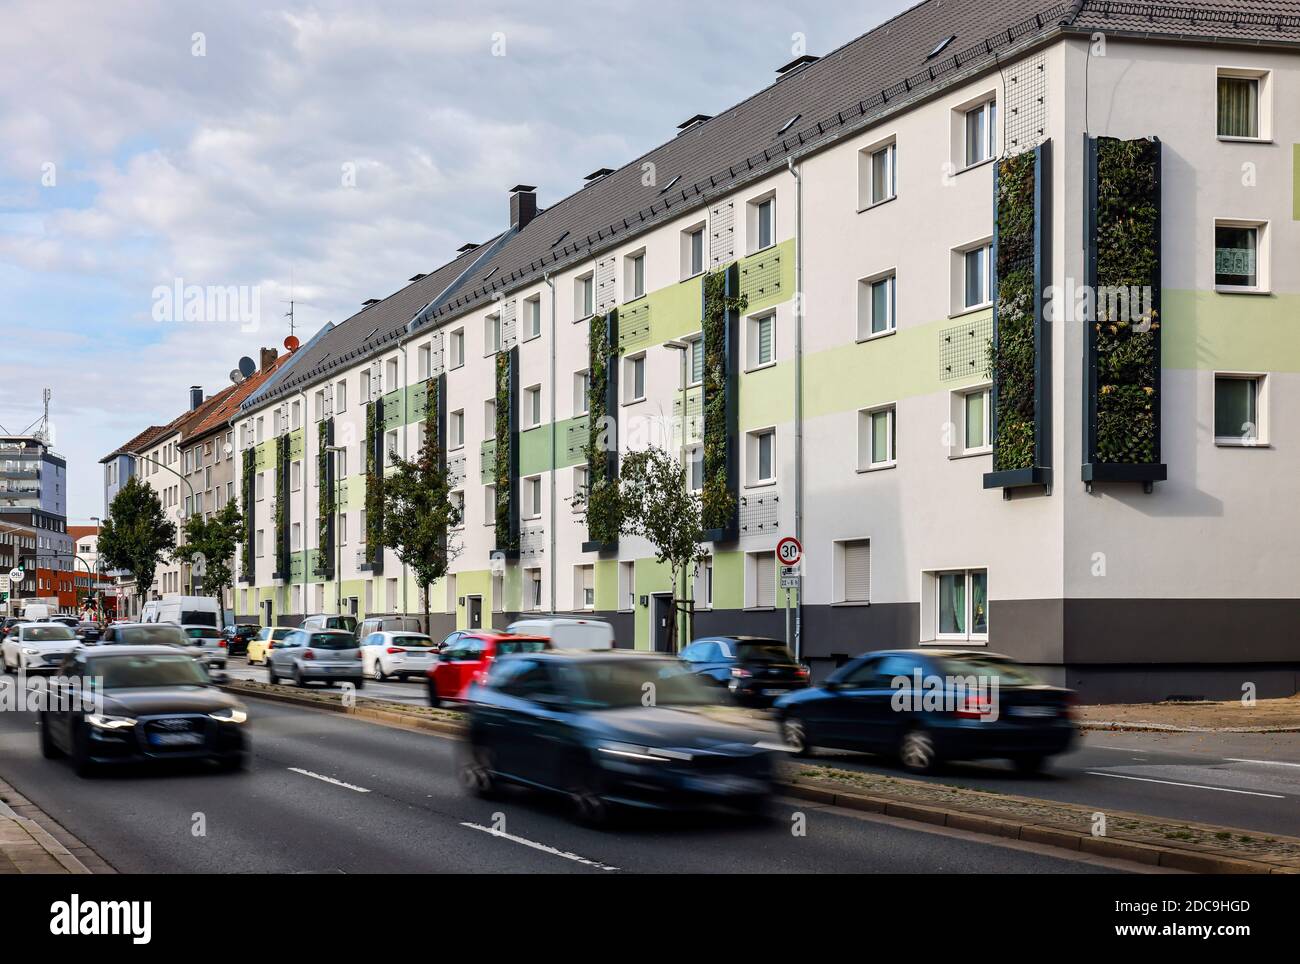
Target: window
{"x":981,"y":133}
{"x":295,"y":538}
{"x":693,"y":251}
{"x":634,"y":280}
{"x":695,"y":467}
{"x":761,"y":591}
{"x":533,"y":581}
{"x":295,"y":476}
{"x":961,"y":604}
{"x":695,"y":367}
{"x":704,"y":583}
{"x":876,"y":438}
{"x":853,"y":571}
{"x":492,"y":333}
{"x":762,"y":340}
{"x":976,"y":281}
{"x":490,"y":417}
{"x":259,"y":486}
{"x":422,"y":361}
{"x":295,"y":415}
{"x":261,"y":428}
{"x":584,"y":587}
{"x":361,"y":526}
{"x":877,"y":299}
{"x":532,"y":406}
{"x":340,"y":397}
{"x":260,"y":541}
{"x":364,"y":379}
{"x":458,"y":348}
{"x":975,"y":421}
{"x":343,"y":528}
{"x":532,"y":317}
{"x":532,"y":507}
{"x":626,"y":586}
{"x":456,"y":429}
{"x":1241,"y":104}
{"x":458,"y":501}
{"x":489,"y":505}
{"x":390,"y":447}
{"x":634,"y":378}
{"x":762,"y":456}
{"x":319,"y":403}
{"x":877,"y":181}
{"x":584,"y":297}
{"x":762,"y":223}
{"x":341,"y":465}
{"x":581,"y":392}
{"x":1239,"y":256}
{"x":1239,"y":409}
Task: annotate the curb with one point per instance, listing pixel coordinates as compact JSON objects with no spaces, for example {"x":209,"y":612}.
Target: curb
{"x":39,"y":837}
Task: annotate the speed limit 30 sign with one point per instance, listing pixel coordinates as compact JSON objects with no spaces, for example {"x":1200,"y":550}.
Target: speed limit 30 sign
{"x":789,"y":551}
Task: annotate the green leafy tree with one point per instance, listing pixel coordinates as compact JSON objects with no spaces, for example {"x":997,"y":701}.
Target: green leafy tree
{"x":137,"y":534}
{"x":209,"y":549}
{"x":418,"y":513}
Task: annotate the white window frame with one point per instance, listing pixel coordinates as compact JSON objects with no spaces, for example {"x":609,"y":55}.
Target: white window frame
{"x":753,"y":340}
{"x":866,"y":437}
{"x":867,"y":305}
{"x":456,"y":430}
{"x":631,"y":364}
{"x":584,"y":296}
{"x":532,"y":318}
{"x":866,"y":173}
{"x":532,"y":485}
{"x":688,"y":250}
{"x":989,"y":148}
{"x":840,"y":595}
{"x":752,"y":599}
{"x":634,"y":279}
{"x":1261,"y":437}
{"x":340,"y":397}
{"x":491,"y":334}
{"x":960,"y":305}
{"x":532,"y":406}
{"x":581,"y":393}
{"x":581,"y":476}
{"x":753,"y":457}
{"x":754,"y":222}
{"x":960,"y":397}
{"x":1263,"y":103}
{"x":1262,"y":280}
{"x":456,"y":348}
{"x":930,"y":602}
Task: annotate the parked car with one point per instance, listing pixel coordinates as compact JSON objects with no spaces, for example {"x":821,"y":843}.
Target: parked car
{"x":397,"y":654}
{"x":754,"y":670}
{"x":387,"y":624}
{"x":158,"y":704}
{"x":261,"y":644}
{"x":465,"y":656}
{"x":331,"y":621}
{"x":9,"y":625}
{"x":327,"y":656}
{"x":566,"y":632}
{"x":87,"y":631}
{"x":237,"y":637}
{"x":65,"y":620}
{"x":576,"y":723}
{"x":37,"y":647}
{"x":210,"y":640}
{"x":872,"y":703}
{"x":184,"y":611}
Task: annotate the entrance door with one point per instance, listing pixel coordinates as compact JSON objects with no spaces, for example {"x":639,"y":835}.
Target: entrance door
{"x":267,"y":612}
{"x":474,"y":607}
{"x":660,"y":622}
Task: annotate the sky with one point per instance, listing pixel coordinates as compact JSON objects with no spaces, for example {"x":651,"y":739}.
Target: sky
{"x":323,"y":152}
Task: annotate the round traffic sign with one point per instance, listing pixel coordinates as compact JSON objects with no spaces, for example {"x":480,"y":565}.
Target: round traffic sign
{"x":789,"y":551}
{"x":16,"y":574}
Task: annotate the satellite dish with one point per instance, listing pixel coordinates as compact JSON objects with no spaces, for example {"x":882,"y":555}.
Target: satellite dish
{"x":236,"y":375}
{"x":291,"y":343}
{"x":247,"y":366}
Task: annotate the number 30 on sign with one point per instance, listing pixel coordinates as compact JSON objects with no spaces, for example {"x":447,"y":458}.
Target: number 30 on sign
{"x":789,"y":551}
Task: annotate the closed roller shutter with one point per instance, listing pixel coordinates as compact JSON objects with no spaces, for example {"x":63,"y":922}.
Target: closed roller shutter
{"x":857,"y":571}
{"x":765,"y":579}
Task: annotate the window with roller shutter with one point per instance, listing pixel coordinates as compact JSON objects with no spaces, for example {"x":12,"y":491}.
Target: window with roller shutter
{"x":855,"y":570}
{"x":762,"y":592}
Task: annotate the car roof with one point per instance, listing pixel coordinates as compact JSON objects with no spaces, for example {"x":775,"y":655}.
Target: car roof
{"x":499,"y":634}
{"x":739,"y":639}
{"x":981,"y":653}
{"x":96,"y":653}
{"x":599,"y":655}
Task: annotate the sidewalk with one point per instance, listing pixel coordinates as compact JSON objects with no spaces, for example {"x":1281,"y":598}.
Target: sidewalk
{"x":1202,"y":716}
{"x":28,"y":848}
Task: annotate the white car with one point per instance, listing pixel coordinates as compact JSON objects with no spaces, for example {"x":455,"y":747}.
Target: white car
{"x":397,"y":654}
{"x":37,"y":647}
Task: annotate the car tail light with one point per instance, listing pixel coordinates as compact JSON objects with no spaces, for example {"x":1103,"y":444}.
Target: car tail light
{"x":801,"y":673}
{"x":221,"y":643}
{"x":973,"y":706}
{"x":393,"y":650}
{"x":739,"y":673}
{"x":1069,"y":708}
{"x":359,"y":656}
{"x":308,"y":654}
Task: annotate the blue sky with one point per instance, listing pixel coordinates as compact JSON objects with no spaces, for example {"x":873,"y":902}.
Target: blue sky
{"x":137,"y":153}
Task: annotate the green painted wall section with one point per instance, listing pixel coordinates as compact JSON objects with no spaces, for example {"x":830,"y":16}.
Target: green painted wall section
{"x":535,"y":446}
{"x":606,"y":584}
{"x":729,"y":580}
{"x":767,"y":278}
{"x":650,"y":576}
{"x":1207,"y":330}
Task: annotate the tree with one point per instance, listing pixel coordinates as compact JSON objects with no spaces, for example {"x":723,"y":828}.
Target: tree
{"x":650,"y":499}
{"x":418,"y":513}
{"x":209,"y":548}
{"x":136,"y":534}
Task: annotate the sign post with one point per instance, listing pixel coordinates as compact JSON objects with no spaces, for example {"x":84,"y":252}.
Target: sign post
{"x":790,"y":554}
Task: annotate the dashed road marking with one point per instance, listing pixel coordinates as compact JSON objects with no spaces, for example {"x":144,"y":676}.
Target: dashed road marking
{"x":539,"y":846}
{"x":1194,"y":786}
{"x":337,"y":783}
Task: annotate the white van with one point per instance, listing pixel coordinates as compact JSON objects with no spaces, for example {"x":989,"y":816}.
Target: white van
{"x":566,"y":632}
{"x":37,"y":612}
{"x":183,"y":611}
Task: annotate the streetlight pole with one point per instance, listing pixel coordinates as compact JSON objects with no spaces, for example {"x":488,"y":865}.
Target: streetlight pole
{"x":183,"y":515}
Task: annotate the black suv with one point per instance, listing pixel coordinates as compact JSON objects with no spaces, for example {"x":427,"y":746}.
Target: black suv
{"x":237,"y":637}
{"x":754,"y":669}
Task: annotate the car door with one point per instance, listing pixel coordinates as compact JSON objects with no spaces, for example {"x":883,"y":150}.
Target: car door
{"x":444,"y":673}
{"x":283,"y":651}
{"x":533,"y":727}
{"x":371,"y":646}
{"x":866,"y":717}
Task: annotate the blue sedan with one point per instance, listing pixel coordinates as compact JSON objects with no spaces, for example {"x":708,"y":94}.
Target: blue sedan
{"x":927,"y":706}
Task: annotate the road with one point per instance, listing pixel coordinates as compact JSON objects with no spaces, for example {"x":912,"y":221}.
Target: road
{"x":331,"y":794}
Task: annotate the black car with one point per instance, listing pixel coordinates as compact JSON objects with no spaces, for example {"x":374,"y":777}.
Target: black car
{"x":149,"y":703}
{"x":613,"y":729}
{"x":87,"y":631}
{"x":237,"y":637}
{"x":754,"y":670}
{"x":927,"y":706}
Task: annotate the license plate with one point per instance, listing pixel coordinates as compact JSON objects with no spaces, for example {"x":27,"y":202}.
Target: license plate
{"x":775,"y":691}
{"x":175,"y":739}
{"x":1033,"y":711}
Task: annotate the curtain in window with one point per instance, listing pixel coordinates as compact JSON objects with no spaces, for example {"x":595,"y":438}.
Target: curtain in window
{"x":952,"y":603}
{"x":1238,"y":107}
{"x":979,"y":602}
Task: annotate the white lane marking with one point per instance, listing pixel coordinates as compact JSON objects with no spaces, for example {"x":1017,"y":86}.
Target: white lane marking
{"x":1194,"y":786}
{"x":1263,"y":763}
{"x":1121,"y":749}
{"x":337,"y":783}
{"x":539,"y":846}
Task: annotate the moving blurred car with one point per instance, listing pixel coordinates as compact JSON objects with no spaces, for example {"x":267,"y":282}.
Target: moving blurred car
{"x":755,"y":670}
{"x":87,"y":631}
{"x":10,"y":623}
{"x":158,"y":704}
{"x":465,"y":657}
{"x":970,"y":705}
{"x":210,"y":640}
{"x":238,"y":636}
{"x":326,"y":656}
{"x":152,"y":634}
{"x":259,"y":646}
{"x":576,"y":723}
{"x":65,"y":620}
{"x":397,"y":654}
{"x":37,"y":647}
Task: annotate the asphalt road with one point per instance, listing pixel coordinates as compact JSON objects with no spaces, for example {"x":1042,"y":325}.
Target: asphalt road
{"x":331,"y":794}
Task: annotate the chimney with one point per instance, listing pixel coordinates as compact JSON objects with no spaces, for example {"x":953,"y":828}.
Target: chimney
{"x":196,"y":397}
{"x":268,"y":358}
{"x":523,"y":205}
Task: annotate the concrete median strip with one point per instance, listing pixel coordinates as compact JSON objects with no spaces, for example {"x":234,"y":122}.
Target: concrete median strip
{"x":26,"y":848}
{"x":1140,"y":838}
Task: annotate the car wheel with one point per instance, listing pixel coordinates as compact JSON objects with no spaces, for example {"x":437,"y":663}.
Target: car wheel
{"x":81,"y":761}
{"x":48,"y":748}
{"x":5,"y":661}
{"x":298,"y":680}
{"x":916,"y":751}
{"x":434,"y":700}
{"x":1029,"y":764}
{"x":377,"y":674}
{"x":271,"y":676}
{"x":795,"y":733}
{"x":475,"y":773}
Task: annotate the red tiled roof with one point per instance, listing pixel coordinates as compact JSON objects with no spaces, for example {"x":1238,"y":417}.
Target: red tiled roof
{"x":216,"y":411}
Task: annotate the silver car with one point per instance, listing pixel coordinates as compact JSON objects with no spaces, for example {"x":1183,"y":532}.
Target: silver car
{"x":397,"y":654}
{"x":326,"y":656}
{"x":211,"y":641}
{"x":153,"y":634}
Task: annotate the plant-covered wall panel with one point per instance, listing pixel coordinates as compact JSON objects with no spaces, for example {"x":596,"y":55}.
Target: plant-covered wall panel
{"x":374,"y":486}
{"x":723,"y":305}
{"x":282,"y":550}
{"x":506,"y":475}
{"x":1019,"y":354}
{"x":602,"y":430}
{"x":248,"y":564}
{"x":326,"y":499}
{"x":1122,"y":361}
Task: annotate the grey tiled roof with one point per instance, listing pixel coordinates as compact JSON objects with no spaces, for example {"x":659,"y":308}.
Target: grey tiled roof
{"x":1253,"y":21}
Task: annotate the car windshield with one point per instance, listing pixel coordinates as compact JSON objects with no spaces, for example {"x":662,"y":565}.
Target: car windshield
{"x":413,"y":641}
{"x":1006,"y":672}
{"x":507,"y":646}
{"x":198,"y":618}
{"x":194,"y":632}
{"x":622,"y":683}
{"x":151,"y":636}
{"x":340,"y":622}
{"x":332,"y":641}
{"x":132,"y":672}
{"x":47,"y":634}
{"x":763,"y":651}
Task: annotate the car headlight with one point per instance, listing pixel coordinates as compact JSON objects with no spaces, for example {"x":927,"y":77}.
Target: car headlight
{"x":28,"y":651}
{"x":229,"y":715}
{"x":644,"y":754}
{"x":102,"y":721}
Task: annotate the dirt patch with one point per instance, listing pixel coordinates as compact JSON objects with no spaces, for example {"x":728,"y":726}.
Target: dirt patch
{"x":1232,"y":716}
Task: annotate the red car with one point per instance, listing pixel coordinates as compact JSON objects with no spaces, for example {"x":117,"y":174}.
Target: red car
{"x":466,"y":655}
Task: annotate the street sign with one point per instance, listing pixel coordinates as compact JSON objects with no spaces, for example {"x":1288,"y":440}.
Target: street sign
{"x":789,"y":582}
{"x":17,"y":574}
{"x":789,"y":551}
